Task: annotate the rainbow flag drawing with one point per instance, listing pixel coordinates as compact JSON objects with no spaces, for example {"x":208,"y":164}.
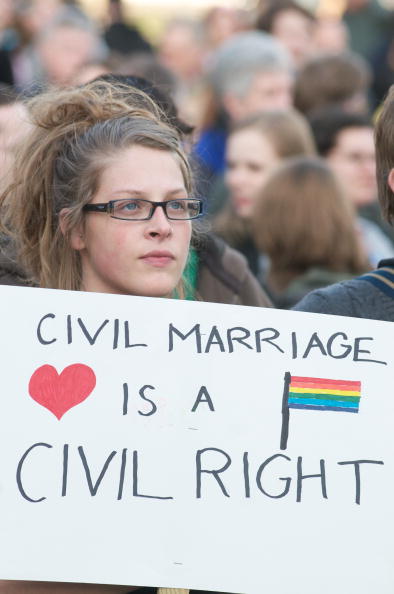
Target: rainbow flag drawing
{"x":316,"y":393}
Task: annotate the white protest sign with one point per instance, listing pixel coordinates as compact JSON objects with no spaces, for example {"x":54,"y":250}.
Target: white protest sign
{"x":178,"y":444}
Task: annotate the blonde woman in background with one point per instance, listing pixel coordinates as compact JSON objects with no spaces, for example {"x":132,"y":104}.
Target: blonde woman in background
{"x":255,"y":147}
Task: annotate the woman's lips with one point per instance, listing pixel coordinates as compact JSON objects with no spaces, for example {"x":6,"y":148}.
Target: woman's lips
{"x":241,"y":200}
{"x":158,"y":259}
{"x":242,"y":203}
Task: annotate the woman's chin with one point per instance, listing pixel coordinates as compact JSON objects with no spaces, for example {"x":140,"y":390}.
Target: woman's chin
{"x":163,"y":290}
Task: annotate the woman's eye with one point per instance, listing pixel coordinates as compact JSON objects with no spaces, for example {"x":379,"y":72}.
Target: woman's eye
{"x":255,"y":167}
{"x":176,"y":205}
{"x":130,"y":206}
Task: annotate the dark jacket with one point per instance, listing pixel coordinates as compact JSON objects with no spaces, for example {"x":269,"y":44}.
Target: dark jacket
{"x":312,"y":279}
{"x":10,"y":272}
{"x":358,"y":298}
{"x":224,"y":275}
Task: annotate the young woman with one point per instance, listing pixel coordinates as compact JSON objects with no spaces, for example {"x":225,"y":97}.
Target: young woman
{"x":255,"y":146}
{"x":102,"y":197}
{"x":101,"y":201}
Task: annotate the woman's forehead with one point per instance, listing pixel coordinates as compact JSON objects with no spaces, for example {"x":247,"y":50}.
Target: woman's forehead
{"x":142,"y":169}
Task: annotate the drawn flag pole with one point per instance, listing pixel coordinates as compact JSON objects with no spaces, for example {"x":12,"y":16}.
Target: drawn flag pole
{"x":285,"y":412}
{"x":315,"y":393}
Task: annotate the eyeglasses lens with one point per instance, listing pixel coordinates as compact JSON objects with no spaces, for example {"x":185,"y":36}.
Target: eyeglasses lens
{"x":138,"y":209}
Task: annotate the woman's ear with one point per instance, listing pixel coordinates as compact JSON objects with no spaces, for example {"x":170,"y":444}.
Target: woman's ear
{"x":76,"y":236}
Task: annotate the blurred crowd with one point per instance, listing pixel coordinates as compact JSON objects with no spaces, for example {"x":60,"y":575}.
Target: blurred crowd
{"x":276,"y":106}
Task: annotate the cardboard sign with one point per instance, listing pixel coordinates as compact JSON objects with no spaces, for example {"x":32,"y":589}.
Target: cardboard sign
{"x":193,"y":445}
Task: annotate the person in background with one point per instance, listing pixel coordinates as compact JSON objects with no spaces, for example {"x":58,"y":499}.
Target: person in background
{"x":182,"y":49}
{"x":221,"y":23}
{"x":329,"y":80}
{"x":122,"y":38}
{"x":255,"y":147}
{"x":382,"y":63}
{"x":9,"y":40}
{"x":331,"y":35}
{"x":346,"y":142}
{"x":62,"y":49}
{"x":370,"y":295}
{"x":368,"y":23}
{"x":293,"y":25}
{"x":249,"y":73}
{"x":306,"y":227}
{"x":33,"y":17}
{"x":37,"y":14}
{"x":14,"y":125}
{"x":7,"y":24}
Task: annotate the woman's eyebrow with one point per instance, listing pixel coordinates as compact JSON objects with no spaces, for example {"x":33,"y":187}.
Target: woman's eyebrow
{"x":129,"y":191}
{"x":142,"y":194}
{"x":177,"y":191}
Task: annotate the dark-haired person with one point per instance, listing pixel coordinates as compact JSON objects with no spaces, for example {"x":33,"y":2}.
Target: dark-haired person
{"x":371,"y":295}
{"x":333,"y":80}
{"x":293,"y":25}
{"x":346,"y":141}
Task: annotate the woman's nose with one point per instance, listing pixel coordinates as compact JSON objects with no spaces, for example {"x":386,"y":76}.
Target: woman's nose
{"x":159,"y":223}
{"x":236,"y":178}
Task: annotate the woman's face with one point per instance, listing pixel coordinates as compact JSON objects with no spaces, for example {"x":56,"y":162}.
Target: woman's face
{"x":250,"y":157}
{"x":135,"y":257}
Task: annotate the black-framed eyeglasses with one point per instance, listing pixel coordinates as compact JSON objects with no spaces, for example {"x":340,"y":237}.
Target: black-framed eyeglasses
{"x":138,"y":209}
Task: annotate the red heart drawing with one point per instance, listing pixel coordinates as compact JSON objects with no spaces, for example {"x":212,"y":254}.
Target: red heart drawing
{"x":59,"y":393}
